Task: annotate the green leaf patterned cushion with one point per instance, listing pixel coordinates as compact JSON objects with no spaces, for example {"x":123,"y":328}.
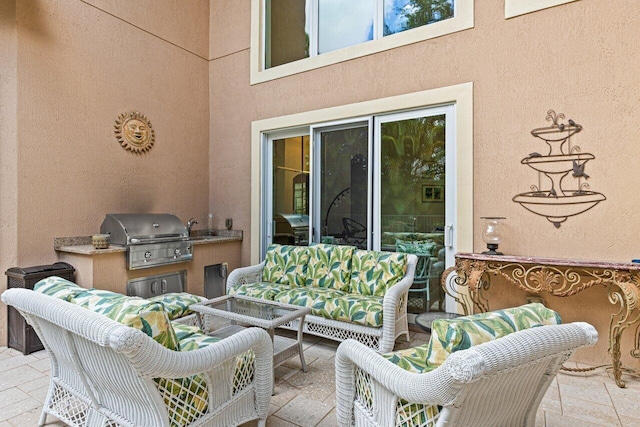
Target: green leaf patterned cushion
{"x":149,"y":317}
{"x":373,"y":272}
{"x":286,"y":264}
{"x":58,"y":287}
{"x":329,"y":266}
{"x":262,"y":290}
{"x":424,"y":247}
{"x":359,"y":309}
{"x":191,"y":337}
{"x":307,"y":297}
{"x":338,"y":305}
{"x":412,"y":359}
{"x":176,"y":304}
{"x":187,"y":398}
{"x":448,"y":336}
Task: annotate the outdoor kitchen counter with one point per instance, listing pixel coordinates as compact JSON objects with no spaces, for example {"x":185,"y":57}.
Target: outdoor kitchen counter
{"x":107,"y":268}
{"x":82,"y":244}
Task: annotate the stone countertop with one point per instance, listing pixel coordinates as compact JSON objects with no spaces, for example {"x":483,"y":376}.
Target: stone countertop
{"x":82,"y":244}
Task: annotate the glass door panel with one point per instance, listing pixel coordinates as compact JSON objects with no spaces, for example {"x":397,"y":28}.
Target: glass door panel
{"x":413,"y":197}
{"x":289,"y":190}
{"x":341,"y":198}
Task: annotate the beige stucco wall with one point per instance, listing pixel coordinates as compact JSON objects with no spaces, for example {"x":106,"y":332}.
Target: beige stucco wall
{"x":578,"y":58}
{"x":72,"y":68}
{"x":8,"y":142}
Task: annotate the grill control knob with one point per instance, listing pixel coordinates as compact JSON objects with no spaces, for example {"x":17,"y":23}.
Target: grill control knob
{"x":147,"y":254}
{"x":177,"y":252}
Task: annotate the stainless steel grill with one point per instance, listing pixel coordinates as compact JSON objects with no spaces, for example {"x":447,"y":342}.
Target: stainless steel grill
{"x":150,"y":239}
{"x":291,"y":229}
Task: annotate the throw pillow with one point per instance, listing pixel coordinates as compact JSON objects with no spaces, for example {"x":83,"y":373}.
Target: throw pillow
{"x":448,"y":336}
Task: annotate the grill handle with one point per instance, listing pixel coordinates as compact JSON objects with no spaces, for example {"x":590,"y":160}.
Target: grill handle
{"x":142,"y":241}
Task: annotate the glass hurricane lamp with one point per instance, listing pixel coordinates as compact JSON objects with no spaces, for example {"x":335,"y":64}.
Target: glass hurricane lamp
{"x":492,"y":234}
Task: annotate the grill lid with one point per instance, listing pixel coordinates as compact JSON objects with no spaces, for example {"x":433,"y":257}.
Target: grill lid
{"x":132,"y":229}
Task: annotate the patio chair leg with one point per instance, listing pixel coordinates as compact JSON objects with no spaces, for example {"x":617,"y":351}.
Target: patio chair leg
{"x":43,"y":419}
{"x":262,"y":423}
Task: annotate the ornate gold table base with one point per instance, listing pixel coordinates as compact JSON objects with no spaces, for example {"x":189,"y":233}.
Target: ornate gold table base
{"x":558,"y":277}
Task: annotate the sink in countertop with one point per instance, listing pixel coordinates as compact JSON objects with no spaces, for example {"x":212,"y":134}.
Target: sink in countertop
{"x":201,"y":236}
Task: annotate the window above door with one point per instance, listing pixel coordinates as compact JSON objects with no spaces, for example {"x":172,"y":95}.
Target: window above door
{"x":293,"y":36}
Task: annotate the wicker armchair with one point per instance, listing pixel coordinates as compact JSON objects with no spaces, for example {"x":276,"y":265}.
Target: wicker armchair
{"x":498,"y":383}
{"x":108,"y":374}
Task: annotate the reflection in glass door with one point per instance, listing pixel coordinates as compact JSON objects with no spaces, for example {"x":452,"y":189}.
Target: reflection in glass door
{"x":341,"y":189}
{"x":412,"y":201}
{"x":290,"y":191}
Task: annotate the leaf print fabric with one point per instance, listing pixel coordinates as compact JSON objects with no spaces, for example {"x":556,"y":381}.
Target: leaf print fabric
{"x":176,"y":304}
{"x":329,"y":266}
{"x":149,"y":317}
{"x":262,"y":290}
{"x":373,"y":272}
{"x":58,"y":287}
{"x":411,"y":359}
{"x":448,"y":336}
{"x":286,"y":264}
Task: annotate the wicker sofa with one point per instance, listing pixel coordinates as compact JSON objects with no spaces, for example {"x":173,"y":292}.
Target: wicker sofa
{"x":490,"y":369}
{"x":122,"y":361}
{"x":352,"y":293}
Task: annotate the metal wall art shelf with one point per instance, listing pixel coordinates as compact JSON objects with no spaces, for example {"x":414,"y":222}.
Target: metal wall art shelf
{"x":560,"y":198}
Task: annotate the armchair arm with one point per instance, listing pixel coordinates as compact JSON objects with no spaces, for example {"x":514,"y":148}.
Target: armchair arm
{"x":394,"y":305}
{"x":387,"y":384}
{"x":242,"y":275}
{"x":178,"y":364}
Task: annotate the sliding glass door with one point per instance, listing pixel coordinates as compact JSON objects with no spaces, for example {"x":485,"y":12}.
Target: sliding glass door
{"x":368,"y":182}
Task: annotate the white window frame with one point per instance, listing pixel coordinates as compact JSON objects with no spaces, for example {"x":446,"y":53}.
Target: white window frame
{"x":460,"y":95}
{"x":462,"y":20}
{"x":514,"y":8}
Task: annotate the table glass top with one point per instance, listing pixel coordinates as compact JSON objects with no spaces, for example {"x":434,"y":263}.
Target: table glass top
{"x":262,"y":313}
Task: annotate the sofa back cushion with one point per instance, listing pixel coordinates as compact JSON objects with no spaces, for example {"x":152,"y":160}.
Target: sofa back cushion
{"x":176,"y":304}
{"x":450,"y":335}
{"x":58,"y":287}
{"x":286,"y":264}
{"x":329,"y":266}
{"x":373,"y":272}
{"x":147,"y":316}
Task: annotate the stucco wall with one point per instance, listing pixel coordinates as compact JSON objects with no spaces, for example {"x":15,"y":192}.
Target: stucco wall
{"x":578,"y":58}
{"x":8,"y":154}
{"x":80,"y":64}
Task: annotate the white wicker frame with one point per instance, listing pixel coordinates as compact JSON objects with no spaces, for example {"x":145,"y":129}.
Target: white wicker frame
{"x":499,"y":383}
{"x":382,"y":339}
{"x":102,"y":372}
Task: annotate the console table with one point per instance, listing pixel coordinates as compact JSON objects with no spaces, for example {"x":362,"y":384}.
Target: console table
{"x":558,"y":277}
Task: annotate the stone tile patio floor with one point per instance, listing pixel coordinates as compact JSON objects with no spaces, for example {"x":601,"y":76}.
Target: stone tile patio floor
{"x":307,"y":399}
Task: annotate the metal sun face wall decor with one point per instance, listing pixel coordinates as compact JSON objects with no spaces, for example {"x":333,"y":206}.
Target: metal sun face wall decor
{"x":561,"y":198}
{"x":134,"y":132}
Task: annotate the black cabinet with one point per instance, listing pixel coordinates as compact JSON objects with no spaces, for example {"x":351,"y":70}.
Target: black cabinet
{"x":22,"y":337}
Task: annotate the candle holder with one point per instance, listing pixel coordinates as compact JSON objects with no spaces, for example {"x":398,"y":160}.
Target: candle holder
{"x":492,"y":234}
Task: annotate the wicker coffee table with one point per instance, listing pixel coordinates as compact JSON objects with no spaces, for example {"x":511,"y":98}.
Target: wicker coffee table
{"x":225,"y":316}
